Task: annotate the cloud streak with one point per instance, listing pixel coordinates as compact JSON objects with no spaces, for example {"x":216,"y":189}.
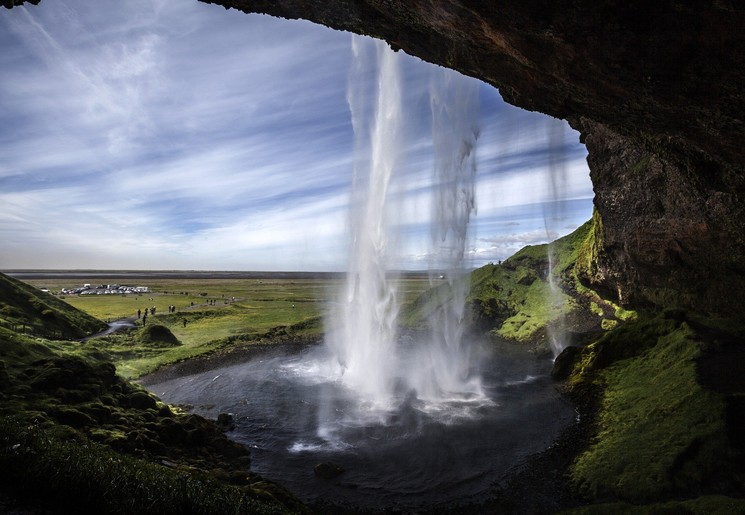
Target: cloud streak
{"x":163,"y":134}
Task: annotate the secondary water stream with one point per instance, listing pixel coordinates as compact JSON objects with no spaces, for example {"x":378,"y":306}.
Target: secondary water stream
{"x":413,"y":455}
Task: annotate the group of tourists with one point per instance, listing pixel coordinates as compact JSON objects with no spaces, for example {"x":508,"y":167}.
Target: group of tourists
{"x":141,"y":315}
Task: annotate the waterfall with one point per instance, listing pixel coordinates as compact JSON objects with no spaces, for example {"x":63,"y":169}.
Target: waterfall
{"x":362,"y":331}
{"x":454,"y":102}
{"x":552,"y":216}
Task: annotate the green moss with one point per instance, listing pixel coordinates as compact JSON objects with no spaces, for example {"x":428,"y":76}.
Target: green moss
{"x":83,"y":477}
{"x":659,"y":431}
{"x":29,"y":310}
{"x":585,"y":269}
{"x":705,"y":505}
{"x":535,"y":309}
{"x":608,"y":324}
{"x":158,"y":335}
{"x":625,"y":314}
{"x":595,"y":308}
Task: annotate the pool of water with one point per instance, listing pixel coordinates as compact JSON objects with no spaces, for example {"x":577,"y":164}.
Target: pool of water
{"x":293,"y":412}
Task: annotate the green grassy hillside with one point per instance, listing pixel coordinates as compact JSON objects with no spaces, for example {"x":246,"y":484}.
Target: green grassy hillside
{"x":665,"y":399}
{"x":513,"y":300}
{"x":28,"y":310}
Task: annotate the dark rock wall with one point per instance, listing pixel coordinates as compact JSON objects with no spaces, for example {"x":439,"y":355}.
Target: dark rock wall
{"x":655,"y":89}
{"x":671,"y":228}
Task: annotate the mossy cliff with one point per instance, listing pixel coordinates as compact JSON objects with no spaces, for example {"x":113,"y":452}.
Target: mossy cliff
{"x":514,"y":300}
{"x":663,"y":396}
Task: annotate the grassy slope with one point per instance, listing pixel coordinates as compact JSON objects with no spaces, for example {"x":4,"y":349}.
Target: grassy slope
{"x":512,"y":300}
{"x":75,"y":434}
{"x":30,"y":310}
{"x":659,"y":432}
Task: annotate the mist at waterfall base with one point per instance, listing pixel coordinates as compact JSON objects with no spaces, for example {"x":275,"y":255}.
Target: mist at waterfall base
{"x":413,"y":420}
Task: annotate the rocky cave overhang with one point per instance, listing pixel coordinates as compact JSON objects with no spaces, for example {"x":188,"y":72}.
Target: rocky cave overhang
{"x":656,"y":92}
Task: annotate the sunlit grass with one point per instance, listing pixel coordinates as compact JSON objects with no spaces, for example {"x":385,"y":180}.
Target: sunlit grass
{"x":210,"y":314}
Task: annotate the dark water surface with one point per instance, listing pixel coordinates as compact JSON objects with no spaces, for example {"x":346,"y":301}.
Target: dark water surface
{"x":292,"y":413}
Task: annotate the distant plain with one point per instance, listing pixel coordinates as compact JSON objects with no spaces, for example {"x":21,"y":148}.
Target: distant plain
{"x":213,"y":310}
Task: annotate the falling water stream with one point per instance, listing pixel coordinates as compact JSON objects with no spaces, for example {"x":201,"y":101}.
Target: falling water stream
{"x":413,"y":420}
{"x":553,"y":216}
{"x":362,"y":332}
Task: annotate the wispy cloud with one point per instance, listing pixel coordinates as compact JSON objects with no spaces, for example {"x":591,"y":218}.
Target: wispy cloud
{"x":164,"y":134}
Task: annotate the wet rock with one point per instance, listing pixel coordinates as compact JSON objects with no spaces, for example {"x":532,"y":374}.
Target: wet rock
{"x":225,"y":421}
{"x":328,"y":470}
{"x":564,"y":363}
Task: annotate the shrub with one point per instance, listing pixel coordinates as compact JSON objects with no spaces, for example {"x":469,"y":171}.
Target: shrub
{"x":158,"y":335}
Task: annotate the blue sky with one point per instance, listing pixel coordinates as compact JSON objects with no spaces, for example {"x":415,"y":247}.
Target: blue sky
{"x":163,"y":134}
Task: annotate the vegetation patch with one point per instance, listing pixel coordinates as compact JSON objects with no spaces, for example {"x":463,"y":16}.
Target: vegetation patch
{"x":158,"y":335}
{"x":28,"y":310}
{"x":659,"y":432}
{"x":78,"y":476}
{"x":528,"y":294}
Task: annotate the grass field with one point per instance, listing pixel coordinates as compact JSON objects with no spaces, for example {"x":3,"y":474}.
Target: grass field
{"x":210,"y":313}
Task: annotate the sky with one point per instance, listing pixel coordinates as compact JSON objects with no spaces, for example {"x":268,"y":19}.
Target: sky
{"x":173,"y":135}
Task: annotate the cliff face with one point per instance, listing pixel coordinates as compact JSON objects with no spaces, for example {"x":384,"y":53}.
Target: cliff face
{"x":656,"y":91}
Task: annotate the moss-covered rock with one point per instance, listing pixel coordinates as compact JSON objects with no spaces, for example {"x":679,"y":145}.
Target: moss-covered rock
{"x":140,"y":400}
{"x":659,"y":431}
{"x":158,"y":336}
{"x":328,"y":470}
{"x":564,"y":363}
